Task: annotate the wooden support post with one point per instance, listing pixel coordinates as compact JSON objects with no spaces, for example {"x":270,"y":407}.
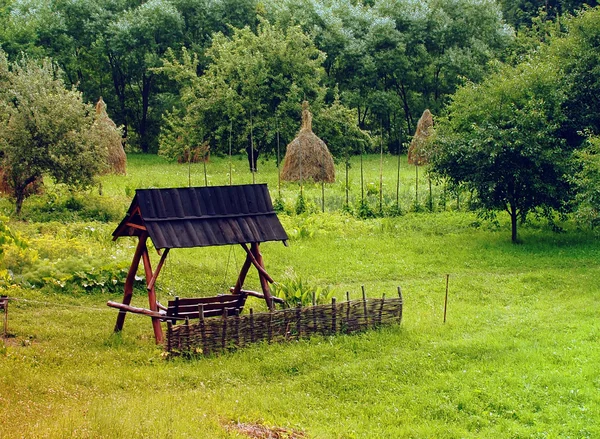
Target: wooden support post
{"x":256,"y":259}
{"x":130,"y":280}
{"x":263,"y":275}
{"x":158,"y":334}
{"x":163,"y":257}
{"x":242,"y":276}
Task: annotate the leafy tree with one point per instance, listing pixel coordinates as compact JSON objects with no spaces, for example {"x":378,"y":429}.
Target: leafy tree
{"x":577,"y":54}
{"x":587,"y":180}
{"x":253,"y":86}
{"x":522,"y":13}
{"x":44,"y":128}
{"x":500,"y":140}
{"x":337,"y":126}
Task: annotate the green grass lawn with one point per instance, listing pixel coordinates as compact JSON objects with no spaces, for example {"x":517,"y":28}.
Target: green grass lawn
{"x":517,"y":358}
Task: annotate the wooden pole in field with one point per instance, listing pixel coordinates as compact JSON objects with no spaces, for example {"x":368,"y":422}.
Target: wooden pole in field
{"x":347,"y":188}
{"x":446,"y":298}
{"x":416,"y":185}
{"x":362,"y":183}
{"x":230,"y":166}
{"x":398,"y":177}
{"x":381,"y":170}
{"x":278,"y":160}
{"x":205,"y":175}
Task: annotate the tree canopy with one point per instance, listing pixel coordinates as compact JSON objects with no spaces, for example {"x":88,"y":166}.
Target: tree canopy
{"x":45,"y":128}
{"x":499,"y":138}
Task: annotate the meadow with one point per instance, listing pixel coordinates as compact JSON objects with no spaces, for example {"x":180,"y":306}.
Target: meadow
{"x":516,"y":358}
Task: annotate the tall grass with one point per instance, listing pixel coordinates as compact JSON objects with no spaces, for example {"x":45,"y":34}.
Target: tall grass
{"x":517,"y":357}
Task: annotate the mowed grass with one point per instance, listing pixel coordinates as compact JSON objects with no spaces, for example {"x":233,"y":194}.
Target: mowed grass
{"x":517,"y":358}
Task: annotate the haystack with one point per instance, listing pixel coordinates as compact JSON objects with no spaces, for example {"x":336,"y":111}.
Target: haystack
{"x":307,"y":157}
{"x":111,"y":136}
{"x":417,"y":151}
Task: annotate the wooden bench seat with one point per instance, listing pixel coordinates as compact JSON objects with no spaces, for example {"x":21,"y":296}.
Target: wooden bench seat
{"x":190,"y":308}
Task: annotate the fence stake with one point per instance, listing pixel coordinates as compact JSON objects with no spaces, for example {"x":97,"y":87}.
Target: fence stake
{"x":364,"y":296}
{"x":252,"y":325}
{"x":333,"y":315}
{"x":381,"y":308}
{"x":446,"y":298}
{"x":401,"y":303}
{"x":224,"y":333}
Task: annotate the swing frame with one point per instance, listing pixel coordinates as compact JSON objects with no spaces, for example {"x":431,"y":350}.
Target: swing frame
{"x":197,"y":217}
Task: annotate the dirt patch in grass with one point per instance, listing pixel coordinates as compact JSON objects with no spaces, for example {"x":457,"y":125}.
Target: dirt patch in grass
{"x":258,"y":431}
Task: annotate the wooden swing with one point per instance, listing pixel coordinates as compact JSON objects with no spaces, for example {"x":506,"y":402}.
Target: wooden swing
{"x":198,"y":217}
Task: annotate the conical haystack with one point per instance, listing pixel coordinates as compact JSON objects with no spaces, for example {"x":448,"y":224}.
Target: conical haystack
{"x":307,"y":157}
{"x":417,"y":154}
{"x":110,"y":135}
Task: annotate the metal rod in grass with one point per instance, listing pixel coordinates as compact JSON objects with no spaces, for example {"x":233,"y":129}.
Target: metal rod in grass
{"x":252,"y":152}
{"x":430,"y":193}
{"x":416,"y":182}
{"x":230,"y":166}
{"x":398,"y":176}
{"x":381,"y":170}
{"x":362,"y":185}
{"x":347,"y":181}
{"x":189,"y":167}
{"x":446,"y":298}
{"x":278,"y":160}
{"x":204,"y":159}
{"x":323,"y":177}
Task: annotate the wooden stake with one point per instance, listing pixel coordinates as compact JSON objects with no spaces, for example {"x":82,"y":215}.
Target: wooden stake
{"x":446,"y":298}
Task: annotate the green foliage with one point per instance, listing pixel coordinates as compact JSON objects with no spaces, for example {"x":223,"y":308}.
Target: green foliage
{"x":67,"y":206}
{"x":45,"y":128}
{"x":587,"y":180}
{"x":300,"y":204}
{"x":365,"y":211}
{"x":337,"y":126}
{"x":301,"y":292}
{"x":253,"y":85}
{"x":75,"y":275}
{"x":500,"y":140}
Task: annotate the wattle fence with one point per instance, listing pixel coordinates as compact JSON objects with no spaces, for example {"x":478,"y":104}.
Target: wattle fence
{"x":208,"y":336}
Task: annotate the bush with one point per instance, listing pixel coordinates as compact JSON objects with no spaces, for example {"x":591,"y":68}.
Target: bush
{"x":65,"y":206}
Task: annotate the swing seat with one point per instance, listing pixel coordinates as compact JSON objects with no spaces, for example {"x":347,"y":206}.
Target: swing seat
{"x":194,"y":308}
{"x":191,"y":308}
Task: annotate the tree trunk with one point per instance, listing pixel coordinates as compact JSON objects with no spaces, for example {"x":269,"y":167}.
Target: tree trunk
{"x":19,"y":198}
{"x":513,"y":222}
{"x":143,"y":127}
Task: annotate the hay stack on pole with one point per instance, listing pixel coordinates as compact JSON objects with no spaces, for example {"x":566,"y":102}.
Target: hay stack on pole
{"x":417,"y":154}
{"x":417,"y":151}
{"x":112,"y":138}
{"x":307,"y":157}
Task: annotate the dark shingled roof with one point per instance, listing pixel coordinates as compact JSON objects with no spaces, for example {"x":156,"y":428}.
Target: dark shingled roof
{"x":203,"y":216}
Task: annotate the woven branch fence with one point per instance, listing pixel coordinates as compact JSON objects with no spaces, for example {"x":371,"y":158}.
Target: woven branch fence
{"x":215,"y":335}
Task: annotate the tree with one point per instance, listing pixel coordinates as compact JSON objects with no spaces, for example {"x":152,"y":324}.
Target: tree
{"x":500,"y":140}
{"x":44,"y":128}
{"x":254,"y":85}
{"x":587,"y":180}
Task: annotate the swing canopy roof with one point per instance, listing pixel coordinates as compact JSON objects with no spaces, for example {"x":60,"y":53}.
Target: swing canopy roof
{"x":202,"y":216}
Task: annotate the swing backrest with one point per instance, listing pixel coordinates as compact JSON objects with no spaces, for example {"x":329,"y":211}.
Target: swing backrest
{"x":231,"y":304}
